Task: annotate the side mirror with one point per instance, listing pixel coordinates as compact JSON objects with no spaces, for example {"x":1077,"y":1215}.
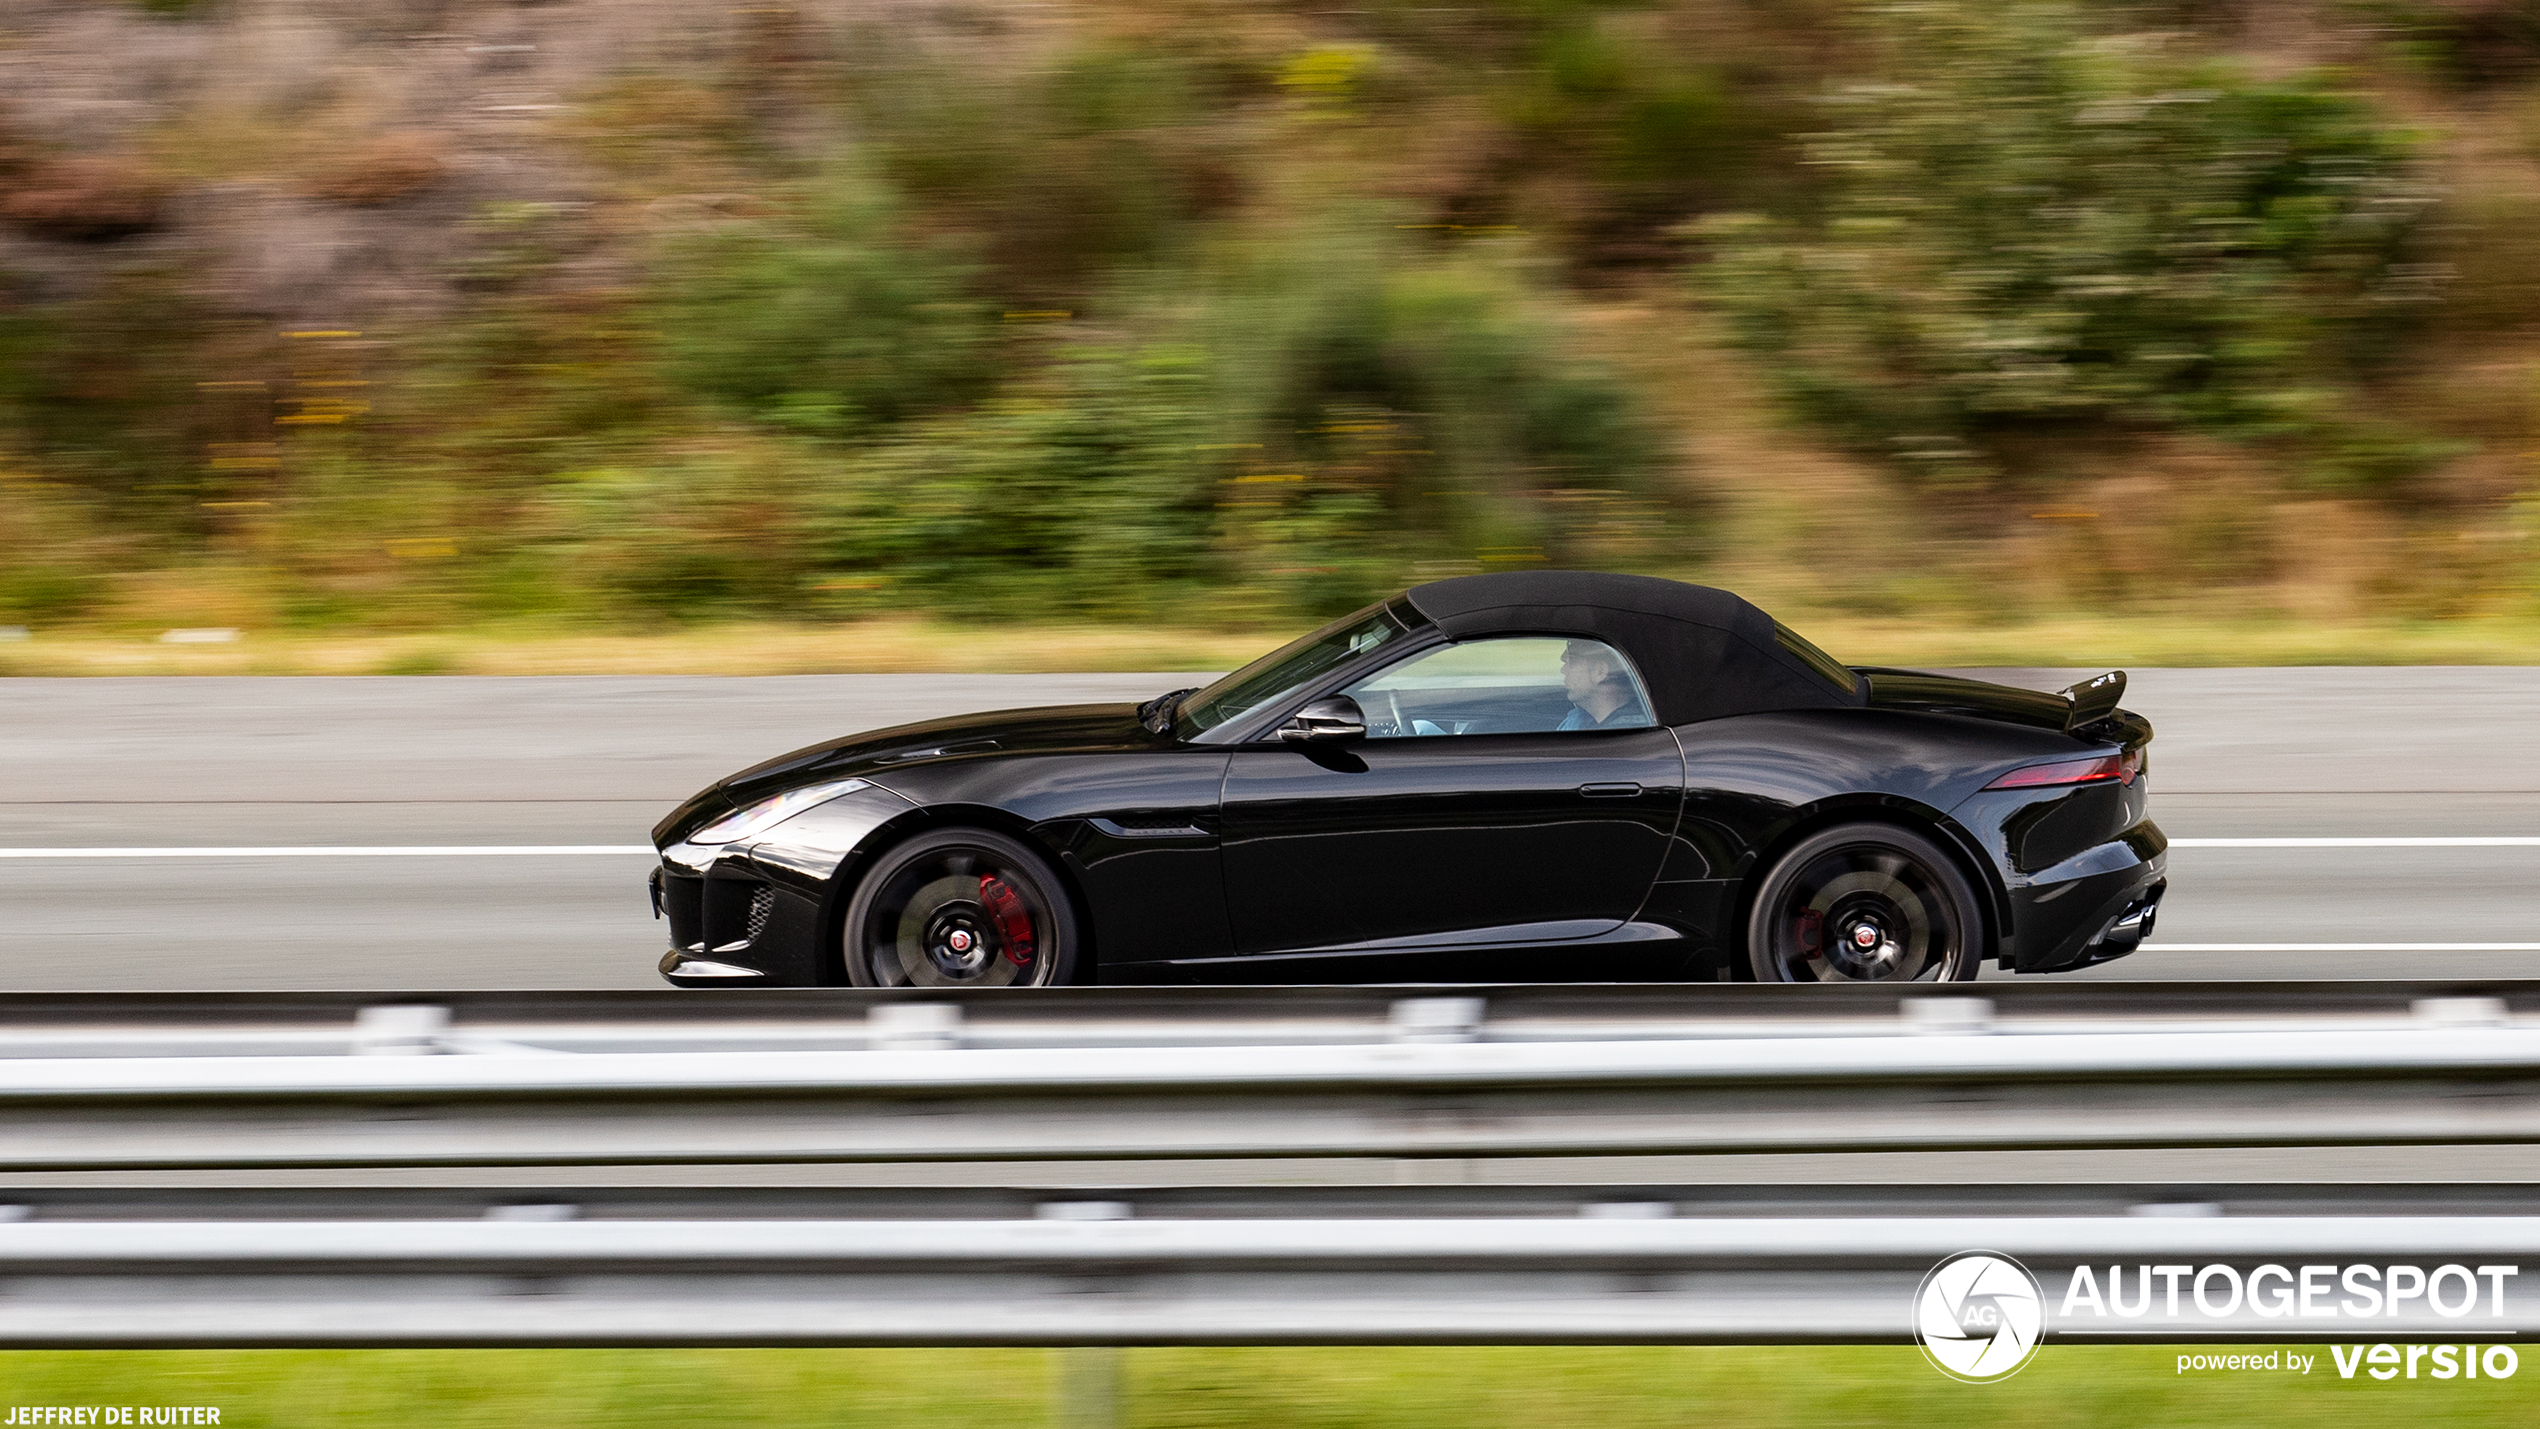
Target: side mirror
{"x":1330,"y":720}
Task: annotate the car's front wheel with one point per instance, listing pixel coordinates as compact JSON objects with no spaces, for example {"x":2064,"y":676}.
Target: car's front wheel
{"x":960,"y":908}
{"x":1865,"y":903}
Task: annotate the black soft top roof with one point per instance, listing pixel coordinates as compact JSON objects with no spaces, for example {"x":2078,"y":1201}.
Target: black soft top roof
{"x":1703,"y":653}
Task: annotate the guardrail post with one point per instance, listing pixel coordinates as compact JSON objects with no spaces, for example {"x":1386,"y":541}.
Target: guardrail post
{"x":914,"y":1026}
{"x":1437,"y":1019}
{"x":1947,"y":1015}
{"x":2460,"y":1011}
{"x":399,"y":1029}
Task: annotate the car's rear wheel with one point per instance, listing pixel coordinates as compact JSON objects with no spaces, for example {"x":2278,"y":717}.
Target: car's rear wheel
{"x":1865,"y":903}
{"x":960,"y":908}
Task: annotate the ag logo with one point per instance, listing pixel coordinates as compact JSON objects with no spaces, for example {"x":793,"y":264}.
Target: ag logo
{"x":1978,"y":1316}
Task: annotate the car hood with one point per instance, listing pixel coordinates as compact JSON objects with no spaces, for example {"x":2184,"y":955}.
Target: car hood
{"x":1049,"y":729}
{"x":1955,"y":694}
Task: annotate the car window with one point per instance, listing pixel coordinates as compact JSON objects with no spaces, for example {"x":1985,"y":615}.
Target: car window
{"x":1515,"y":685}
{"x":1269,"y":679}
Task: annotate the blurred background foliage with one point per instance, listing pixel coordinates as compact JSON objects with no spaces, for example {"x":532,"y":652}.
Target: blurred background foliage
{"x":2051,"y":231}
{"x":1230,"y":314}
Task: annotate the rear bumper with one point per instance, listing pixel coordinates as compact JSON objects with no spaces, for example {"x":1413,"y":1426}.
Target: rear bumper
{"x":2097,"y":905}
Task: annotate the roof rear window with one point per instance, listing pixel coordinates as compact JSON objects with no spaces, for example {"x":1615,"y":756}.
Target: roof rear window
{"x":1828,"y":668}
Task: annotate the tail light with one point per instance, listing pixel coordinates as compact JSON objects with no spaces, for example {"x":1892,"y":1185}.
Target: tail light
{"x":2119,"y":768}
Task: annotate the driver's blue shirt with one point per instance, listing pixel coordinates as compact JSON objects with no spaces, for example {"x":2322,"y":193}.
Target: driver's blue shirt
{"x":1627,"y":715}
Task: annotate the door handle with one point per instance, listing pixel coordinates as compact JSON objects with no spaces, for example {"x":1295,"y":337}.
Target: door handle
{"x":1610,"y":791}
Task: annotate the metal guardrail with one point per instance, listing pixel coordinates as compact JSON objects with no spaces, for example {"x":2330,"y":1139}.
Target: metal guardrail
{"x":285,"y":1024}
{"x":1152,"y":1193}
{"x":481,"y":1082}
{"x":1075,"y":1279}
{"x":1128,"y":1196}
{"x":2466,"y":1073}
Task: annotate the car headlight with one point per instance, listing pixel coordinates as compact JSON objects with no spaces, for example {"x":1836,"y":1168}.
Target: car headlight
{"x":773,"y":810}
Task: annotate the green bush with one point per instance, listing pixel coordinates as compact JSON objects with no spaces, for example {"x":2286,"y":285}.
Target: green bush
{"x":1649,"y":137}
{"x":1086,"y":490}
{"x":48,"y":541}
{"x":686,"y":533}
{"x":1105,"y":157}
{"x":2463,"y":42}
{"x":2027,"y":224}
{"x":1330,"y":415}
{"x":825,"y":318}
{"x":1438,"y":395}
{"x":105,"y":390}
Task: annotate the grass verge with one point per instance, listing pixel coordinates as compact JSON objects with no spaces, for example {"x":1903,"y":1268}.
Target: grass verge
{"x":1307,"y":1388}
{"x":878,"y":646}
{"x":917,"y":646}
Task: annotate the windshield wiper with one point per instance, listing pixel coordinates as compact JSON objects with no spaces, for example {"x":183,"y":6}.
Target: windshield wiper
{"x":1157,"y":714}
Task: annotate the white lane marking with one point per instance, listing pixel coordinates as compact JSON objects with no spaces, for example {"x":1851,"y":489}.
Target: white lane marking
{"x":2459,"y":841}
{"x":341,"y":851}
{"x":2341,"y":948}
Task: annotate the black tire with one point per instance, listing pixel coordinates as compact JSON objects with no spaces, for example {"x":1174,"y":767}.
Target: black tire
{"x":1865,"y":903}
{"x":960,"y":908}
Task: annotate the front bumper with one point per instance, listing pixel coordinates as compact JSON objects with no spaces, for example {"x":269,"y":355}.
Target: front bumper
{"x":731,"y":925}
{"x":761,"y":913}
{"x":682,"y":968}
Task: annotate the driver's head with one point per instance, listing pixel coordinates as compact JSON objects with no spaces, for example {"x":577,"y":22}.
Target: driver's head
{"x":1584,"y":666}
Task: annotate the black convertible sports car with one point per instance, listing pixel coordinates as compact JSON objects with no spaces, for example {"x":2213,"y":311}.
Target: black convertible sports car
{"x":1554,"y":775}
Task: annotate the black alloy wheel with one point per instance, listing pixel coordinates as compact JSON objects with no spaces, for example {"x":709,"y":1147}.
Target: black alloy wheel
{"x":1865,"y":903}
{"x":960,"y":908}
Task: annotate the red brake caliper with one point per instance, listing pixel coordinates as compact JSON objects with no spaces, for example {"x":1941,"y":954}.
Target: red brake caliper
{"x":1812,"y":925}
{"x":1013,"y":920}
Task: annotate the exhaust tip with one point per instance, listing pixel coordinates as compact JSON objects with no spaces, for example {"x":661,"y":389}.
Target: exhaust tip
{"x":2128,"y":930}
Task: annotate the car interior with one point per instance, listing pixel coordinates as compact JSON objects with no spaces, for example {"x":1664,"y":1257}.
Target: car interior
{"x":1512,"y":685}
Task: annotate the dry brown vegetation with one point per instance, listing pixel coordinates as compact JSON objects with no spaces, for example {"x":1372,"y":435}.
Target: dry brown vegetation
{"x":340,"y":328}
{"x":84,"y":199}
{"x":381,"y":171}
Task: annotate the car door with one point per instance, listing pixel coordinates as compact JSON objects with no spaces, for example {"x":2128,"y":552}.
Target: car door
{"x":1501,"y":795}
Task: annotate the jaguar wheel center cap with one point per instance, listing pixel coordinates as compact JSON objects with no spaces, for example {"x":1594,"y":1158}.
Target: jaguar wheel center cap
{"x":960,"y":941}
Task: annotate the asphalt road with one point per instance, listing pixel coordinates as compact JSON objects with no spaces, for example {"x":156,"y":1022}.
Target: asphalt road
{"x":204,"y":762}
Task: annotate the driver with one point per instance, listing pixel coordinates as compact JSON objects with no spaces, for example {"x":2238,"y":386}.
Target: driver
{"x":1601,"y":691}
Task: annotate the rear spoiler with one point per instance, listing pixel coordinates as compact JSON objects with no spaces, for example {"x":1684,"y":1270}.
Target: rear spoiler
{"x":2092,"y":701}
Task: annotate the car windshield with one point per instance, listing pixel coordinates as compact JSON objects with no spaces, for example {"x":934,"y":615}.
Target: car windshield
{"x":1274,"y":676}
